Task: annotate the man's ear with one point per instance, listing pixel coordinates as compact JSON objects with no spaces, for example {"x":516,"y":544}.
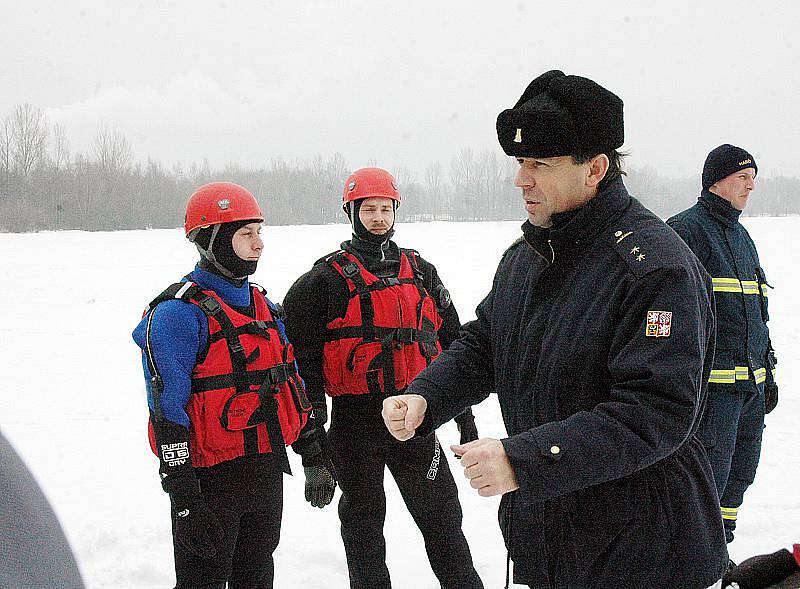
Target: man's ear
{"x":598,"y":167}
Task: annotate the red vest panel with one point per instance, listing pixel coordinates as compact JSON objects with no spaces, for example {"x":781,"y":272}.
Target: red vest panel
{"x":238,"y":389}
{"x":389,"y":333}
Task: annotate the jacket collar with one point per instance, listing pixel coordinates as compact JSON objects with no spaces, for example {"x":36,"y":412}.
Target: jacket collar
{"x":381,"y":260}
{"x":372,"y":250}
{"x":719,"y":208}
{"x":236,"y":296}
{"x":573,"y":231}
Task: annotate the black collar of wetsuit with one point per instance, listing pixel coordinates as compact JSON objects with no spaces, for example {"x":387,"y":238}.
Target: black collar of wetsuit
{"x":572,"y":231}
{"x":720,"y":208}
{"x":206,"y":265}
{"x":382,"y":258}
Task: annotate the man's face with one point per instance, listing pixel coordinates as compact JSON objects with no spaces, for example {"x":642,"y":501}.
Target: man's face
{"x":247,"y":242}
{"x":736,"y":187}
{"x":552,"y":185}
{"x":377,"y":214}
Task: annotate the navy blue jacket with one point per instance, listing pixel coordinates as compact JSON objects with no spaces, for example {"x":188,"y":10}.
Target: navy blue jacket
{"x":712,"y":230}
{"x":598,"y":337}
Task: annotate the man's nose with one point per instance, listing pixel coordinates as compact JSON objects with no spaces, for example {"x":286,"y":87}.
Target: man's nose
{"x":523,"y":179}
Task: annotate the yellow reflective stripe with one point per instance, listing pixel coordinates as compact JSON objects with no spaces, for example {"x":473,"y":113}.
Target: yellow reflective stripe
{"x":750,"y":287}
{"x":774,"y":372}
{"x":729,"y":513}
{"x":723,"y":376}
{"x":726,"y":284}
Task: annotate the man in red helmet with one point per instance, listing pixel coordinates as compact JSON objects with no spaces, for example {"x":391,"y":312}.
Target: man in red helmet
{"x":365,"y":320}
{"x":225,"y":399}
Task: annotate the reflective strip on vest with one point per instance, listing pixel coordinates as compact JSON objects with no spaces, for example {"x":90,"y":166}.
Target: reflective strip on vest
{"x":748,"y":287}
{"x":729,"y":513}
{"x":738,"y":373}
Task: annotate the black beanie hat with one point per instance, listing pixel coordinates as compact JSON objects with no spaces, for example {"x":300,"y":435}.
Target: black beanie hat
{"x":723,"y":161}
{"x":562,"y":115}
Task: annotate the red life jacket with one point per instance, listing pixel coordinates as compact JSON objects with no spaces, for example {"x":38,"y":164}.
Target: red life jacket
{"x":247,"y":397}
{"x":389,"y":333}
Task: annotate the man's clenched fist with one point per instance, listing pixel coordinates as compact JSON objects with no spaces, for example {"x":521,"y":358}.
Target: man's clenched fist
{"x":487,"y":467}
{"x":403,"y":414}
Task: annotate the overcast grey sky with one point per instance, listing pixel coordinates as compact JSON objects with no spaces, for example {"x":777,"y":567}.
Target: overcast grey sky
{"x":403,"y":83}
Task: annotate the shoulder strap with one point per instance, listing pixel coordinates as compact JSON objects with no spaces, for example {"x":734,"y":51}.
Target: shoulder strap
{"x":352,"y":271}
{"x":327,"y":257}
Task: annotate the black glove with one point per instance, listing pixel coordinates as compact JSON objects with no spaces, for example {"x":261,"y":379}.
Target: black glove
{"x":197,"y":528}
{"x":761,"y":571}
{"x":320,"y":485}
{"x":467,"y":429}
{"x":770,"y":396}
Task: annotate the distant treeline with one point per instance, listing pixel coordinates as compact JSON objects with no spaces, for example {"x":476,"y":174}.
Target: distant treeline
{"x":43,"y":185}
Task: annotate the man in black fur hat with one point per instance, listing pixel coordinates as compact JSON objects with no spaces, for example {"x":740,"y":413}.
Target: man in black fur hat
{"x":598,"y":337}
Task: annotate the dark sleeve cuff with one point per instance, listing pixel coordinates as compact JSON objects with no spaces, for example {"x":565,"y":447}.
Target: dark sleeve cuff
{"x":531,"y":453}
{"x":464,"y":416}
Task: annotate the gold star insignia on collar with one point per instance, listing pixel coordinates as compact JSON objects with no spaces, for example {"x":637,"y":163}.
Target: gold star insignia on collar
{"x":640,"y":258}
{"x":635,"y":250}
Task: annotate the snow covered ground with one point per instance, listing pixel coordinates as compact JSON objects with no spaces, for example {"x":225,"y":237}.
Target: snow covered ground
{"x":74,"y":407}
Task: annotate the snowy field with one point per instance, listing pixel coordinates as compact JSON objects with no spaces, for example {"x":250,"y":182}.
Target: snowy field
{"x":73,"y":399}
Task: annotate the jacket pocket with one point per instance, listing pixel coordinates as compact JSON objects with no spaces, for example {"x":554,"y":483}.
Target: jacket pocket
{"x":241,"y":411}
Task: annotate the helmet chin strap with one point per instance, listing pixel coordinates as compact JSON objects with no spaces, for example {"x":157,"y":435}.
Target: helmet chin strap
{"x":209,"y":254}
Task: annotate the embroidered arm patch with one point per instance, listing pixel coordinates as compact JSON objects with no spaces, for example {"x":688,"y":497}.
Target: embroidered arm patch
{"x":659,"y":323}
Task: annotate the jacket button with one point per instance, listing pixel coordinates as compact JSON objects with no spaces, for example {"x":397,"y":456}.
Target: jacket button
{"x":554,"y":449}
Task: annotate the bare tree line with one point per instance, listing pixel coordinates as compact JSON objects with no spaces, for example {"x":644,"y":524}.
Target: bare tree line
{"x":43,"y":185}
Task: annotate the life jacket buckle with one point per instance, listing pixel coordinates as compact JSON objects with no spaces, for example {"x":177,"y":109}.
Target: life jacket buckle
{"x":236,"y":346}
{"x":210,"y":305}
{"x":391,"y":281}
{"x":350,"y":270}
{"x":280,"y":373}
{"x":405,"y":335}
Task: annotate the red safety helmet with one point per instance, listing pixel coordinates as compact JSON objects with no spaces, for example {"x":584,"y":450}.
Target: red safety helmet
{"x":220,"y":202}
{"x":369,"y":182}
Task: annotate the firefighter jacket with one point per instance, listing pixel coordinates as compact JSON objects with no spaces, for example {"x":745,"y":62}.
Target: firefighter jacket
{"x":711,"y":228}
{"x":597,"y":336}
{"x":217,"y":362}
